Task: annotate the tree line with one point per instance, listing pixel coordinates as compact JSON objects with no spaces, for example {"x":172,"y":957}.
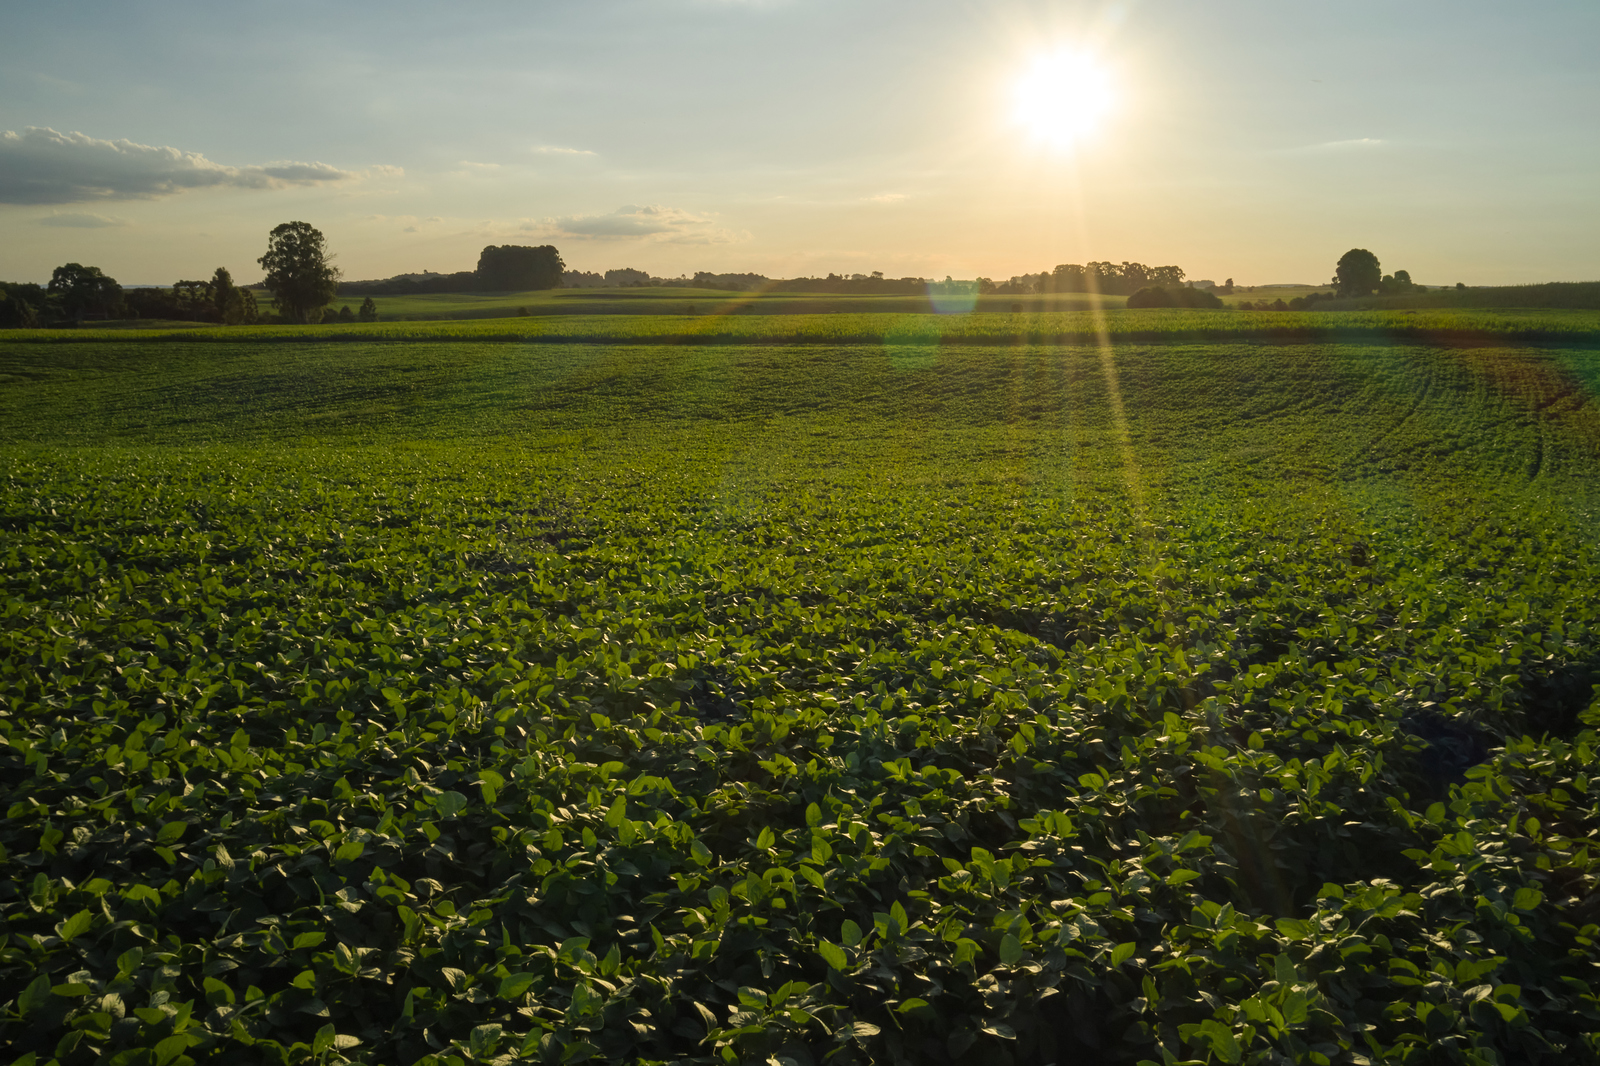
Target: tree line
{"x":501,"y":268}
{"x":78,"y":294}
{"x":303,"y":281}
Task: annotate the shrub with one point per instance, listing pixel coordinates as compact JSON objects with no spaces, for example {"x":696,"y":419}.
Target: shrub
{"x":1180,"y":296}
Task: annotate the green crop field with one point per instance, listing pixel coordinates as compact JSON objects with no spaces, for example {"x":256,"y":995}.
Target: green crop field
{"x":672,"y":300}
{"x":1167,"y":687}
{"x":901,"y":330}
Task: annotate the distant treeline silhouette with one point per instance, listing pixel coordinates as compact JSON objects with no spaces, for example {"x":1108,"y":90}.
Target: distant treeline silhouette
{"x":501,"y":268}
{"x":510,"y":268}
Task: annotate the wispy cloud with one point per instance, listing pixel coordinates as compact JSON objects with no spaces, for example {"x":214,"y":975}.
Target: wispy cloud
{"x":650,"y":223}
{"x":480,"y":166}
{"x":82,"y":220}
{"x":1353,"y":145}
{"x":556,"y":149}
{"x":42,"y":166}
{"x":887,"y":198}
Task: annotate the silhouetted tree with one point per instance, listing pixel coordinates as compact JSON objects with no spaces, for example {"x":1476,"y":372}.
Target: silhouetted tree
{"x":369,"y":311}
{"x":16,"y":312}
{"x":84,"y":291}
{"x":346,"y":315}
{"x":300,"y":273}
{"x":234,"y":306}
{"x":1181,"y":296}
{"x":1358,"y":273}
{"x":513,"y":268}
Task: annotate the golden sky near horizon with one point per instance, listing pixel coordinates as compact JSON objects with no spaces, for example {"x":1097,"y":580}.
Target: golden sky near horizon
{"x":1250,"y":140}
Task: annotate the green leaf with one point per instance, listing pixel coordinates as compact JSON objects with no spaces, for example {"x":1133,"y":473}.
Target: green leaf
{"x":324,"y":1039}
{"x":1121,"y":954}
{"x":514,"y":986}
{"x":832,"y":954}
{"x":450,"y":804}
{"x":850,"y":933}
{"x":308,"y":940}
{"x":1527,"y":898}
{"x":1181,"y":877}
{"x":1294,"y":928}
{"x":1011,"y":950}
{"x":1221,"y":1041}
{"x":36,"y":995}
{"x":484,"y":1039}
{"x":171,"y":833}
{"x":75,"y":926}
{"x":169,"y":1049}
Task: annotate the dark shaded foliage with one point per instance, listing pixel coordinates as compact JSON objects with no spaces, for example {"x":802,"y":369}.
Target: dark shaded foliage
{"x":1181,"y":296}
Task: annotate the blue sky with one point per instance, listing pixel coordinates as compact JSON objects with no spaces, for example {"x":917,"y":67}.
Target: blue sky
{"x":1248,"y":139}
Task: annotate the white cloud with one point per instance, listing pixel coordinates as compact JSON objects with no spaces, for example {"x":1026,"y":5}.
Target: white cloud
{"x":886,"y":198}
{"x":556,"y":149}
{"x":1355,"y":144}
{"x":42,"y":166}
{"x":82,"y":220}
{"x":480,"y":166}
{"x":655,"y":223}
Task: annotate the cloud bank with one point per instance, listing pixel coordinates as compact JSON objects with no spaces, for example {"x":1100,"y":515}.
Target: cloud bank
{"x":42,"y":166}
{"x":669,"y":225}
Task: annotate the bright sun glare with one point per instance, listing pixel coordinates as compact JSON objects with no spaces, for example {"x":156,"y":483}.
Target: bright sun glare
{"x":1061,"y":98}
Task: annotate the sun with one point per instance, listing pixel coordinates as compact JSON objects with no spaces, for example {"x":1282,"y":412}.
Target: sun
{"x":1062,"y":97}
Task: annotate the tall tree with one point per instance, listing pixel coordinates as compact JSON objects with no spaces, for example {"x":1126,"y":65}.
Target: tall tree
{"x":515,"y":268}
{"x":84,"y":291}
{"x":235,"y":306}
{"x":1358,"y":273}
{"x":300,"y":272}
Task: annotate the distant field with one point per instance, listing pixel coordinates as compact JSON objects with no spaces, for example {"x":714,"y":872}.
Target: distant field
{"x":982,"y":327}
{"x":845,"y":688}
{"x":1551,"y":296}
{"x":675,"y":301}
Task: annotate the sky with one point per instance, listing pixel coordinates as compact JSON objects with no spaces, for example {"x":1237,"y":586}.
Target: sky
{"x":1251,"y":139}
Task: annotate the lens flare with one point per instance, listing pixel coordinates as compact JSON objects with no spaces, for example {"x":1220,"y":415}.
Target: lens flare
{"x":1061,"y":98}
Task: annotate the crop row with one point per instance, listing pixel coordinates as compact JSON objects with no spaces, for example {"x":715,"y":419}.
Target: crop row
{"x":395,"y":755}
{"x":1323,"y":414}
{"x":985,"y":327}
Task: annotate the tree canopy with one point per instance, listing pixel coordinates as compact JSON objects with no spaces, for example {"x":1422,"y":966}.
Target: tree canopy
{"x":1358,"y":273}
{"x":1178,"y":296}
{"x":515,"y":268}
{"x":300,"y":272}
{"x":84,"y":291}
{"x":1107,"y":277}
